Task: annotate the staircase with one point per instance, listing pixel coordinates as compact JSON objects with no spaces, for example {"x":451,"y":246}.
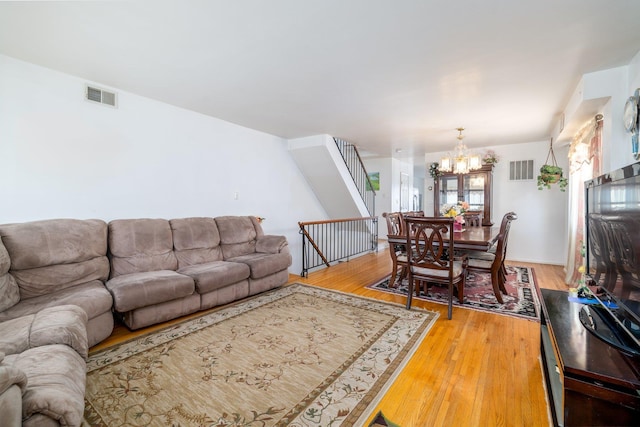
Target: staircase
{"x":337,"y":175}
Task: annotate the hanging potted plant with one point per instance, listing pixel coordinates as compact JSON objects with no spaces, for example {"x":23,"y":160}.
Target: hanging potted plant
{"x":551,"y":173}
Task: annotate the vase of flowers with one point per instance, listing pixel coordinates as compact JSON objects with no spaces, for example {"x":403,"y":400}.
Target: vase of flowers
{"x":490,"y":157}
{"x":456,"y":212}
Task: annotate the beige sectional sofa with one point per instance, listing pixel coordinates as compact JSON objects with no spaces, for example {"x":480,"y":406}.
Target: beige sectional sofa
{"x":164,"y":269}
{"x":62,"y":281}
{"x":57,"y":262}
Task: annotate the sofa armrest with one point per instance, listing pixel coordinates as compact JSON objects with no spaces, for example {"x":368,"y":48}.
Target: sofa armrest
{"x":64,"y":324}
{"x":13,"y":383}
{"x":271,"y":244}
{"x":10,"y":376}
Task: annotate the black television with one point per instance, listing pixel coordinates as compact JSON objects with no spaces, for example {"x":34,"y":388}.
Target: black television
{"x":612,"y":240}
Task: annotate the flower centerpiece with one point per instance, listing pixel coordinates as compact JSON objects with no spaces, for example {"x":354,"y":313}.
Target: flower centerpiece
{"x":456,"y":212}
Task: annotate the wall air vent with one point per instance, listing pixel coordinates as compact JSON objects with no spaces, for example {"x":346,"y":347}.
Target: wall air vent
{"x":101,"y":96}
{"x":521,"y":170}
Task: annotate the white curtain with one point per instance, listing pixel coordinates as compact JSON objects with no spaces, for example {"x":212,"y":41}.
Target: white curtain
{"x":584,"y":163}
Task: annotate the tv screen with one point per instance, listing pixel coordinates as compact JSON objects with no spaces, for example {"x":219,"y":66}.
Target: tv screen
{"x":613,"y":244}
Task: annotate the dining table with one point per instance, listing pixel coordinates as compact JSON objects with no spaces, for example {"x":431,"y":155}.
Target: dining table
{"x":475,"y":238}
{"x":471,"y":238}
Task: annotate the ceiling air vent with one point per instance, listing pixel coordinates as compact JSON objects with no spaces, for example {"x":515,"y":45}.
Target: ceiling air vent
{"x":101,"y":96}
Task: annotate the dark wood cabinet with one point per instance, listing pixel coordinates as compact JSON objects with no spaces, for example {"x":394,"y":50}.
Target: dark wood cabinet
{"x":589,"y":383}
{"x":474,"y":188}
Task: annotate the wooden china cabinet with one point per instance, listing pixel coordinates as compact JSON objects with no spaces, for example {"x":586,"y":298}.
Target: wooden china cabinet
{"x":474,"y":188}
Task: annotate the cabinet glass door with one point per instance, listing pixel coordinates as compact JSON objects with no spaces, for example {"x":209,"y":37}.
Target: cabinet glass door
{"x":448,"y":190}
{"x":473,"y":191}
{"x":474,"y":188}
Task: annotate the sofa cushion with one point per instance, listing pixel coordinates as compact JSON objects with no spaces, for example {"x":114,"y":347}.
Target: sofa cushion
{"x":50,"y":255}
{"x":55,"y":383}
{"x":35,"y":282}
{"x":139,"y":245}
{"x":195,"y":241}
{"x":54,"y":241}
{"x":92,"y":297}
{"x":215,"y":275}
{"x":238,"y":235}
{"x":262,"y":264}
{"x":144,"y":289}
{"x":65,"y":324}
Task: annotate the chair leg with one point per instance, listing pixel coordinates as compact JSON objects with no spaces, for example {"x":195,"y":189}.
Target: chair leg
{"x":461,"y":289}
{"x":403,"y":272}
{"x":410,"y":292}
{"x":450,"y":309}
{"x":394,"y":272}
{"x":502,"y":281}
{"x":495,"y":282}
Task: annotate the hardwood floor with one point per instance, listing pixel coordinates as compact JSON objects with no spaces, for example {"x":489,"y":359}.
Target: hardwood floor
{"x":478,"y":369}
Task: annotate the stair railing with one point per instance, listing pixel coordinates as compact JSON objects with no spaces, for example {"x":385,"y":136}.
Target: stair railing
{"x":358,"y":172}
{"x":326,"y":242}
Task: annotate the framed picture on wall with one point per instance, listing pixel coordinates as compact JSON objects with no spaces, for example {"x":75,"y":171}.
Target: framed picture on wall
{"x":374,"y":178}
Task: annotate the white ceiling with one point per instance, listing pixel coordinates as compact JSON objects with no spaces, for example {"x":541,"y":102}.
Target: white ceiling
{"x":383,"y":74}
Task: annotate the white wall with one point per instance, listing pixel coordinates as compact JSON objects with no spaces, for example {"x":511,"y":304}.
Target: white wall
{"x":63,"y":156}
{"x":388,"y":198}
{"x":384,"y":195}
{"x":320,"y":161}
{"x":540,"y":232}
{"x":605,"y":92}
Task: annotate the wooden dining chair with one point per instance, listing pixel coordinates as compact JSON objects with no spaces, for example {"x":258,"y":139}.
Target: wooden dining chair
{"x":396,"y":227}
{"x":428,"y":258}
{"x":494,"y":262}
{"x":473,"y":218}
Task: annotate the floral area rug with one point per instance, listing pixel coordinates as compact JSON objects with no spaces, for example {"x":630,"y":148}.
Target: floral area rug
{"x":521,"y":301}
{"x":298,"y":355}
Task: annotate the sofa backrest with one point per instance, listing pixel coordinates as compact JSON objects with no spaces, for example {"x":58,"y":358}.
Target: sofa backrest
{"x":50,"y":255}
{"x":139,"y":245}
{"x":195,"y":241}
{"x":238,"y":235}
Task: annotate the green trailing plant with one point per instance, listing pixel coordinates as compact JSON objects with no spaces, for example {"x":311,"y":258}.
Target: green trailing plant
{"x":551,"y":173}
{"x":434,"y":171}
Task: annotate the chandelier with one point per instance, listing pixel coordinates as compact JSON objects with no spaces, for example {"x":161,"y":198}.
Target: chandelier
{"x":461,"y":161}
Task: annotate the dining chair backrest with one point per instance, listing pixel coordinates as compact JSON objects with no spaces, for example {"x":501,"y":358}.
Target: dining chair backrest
{"x":395,"y":223}
{"x":503,"y":236}
{"x":397,"y":251}
{"x":473,"y":218}
{"x":430,"y":256}
{"x":426,"y":245}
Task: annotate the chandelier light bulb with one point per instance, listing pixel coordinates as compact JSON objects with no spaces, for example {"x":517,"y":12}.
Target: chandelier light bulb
{"x":460,"y":162}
